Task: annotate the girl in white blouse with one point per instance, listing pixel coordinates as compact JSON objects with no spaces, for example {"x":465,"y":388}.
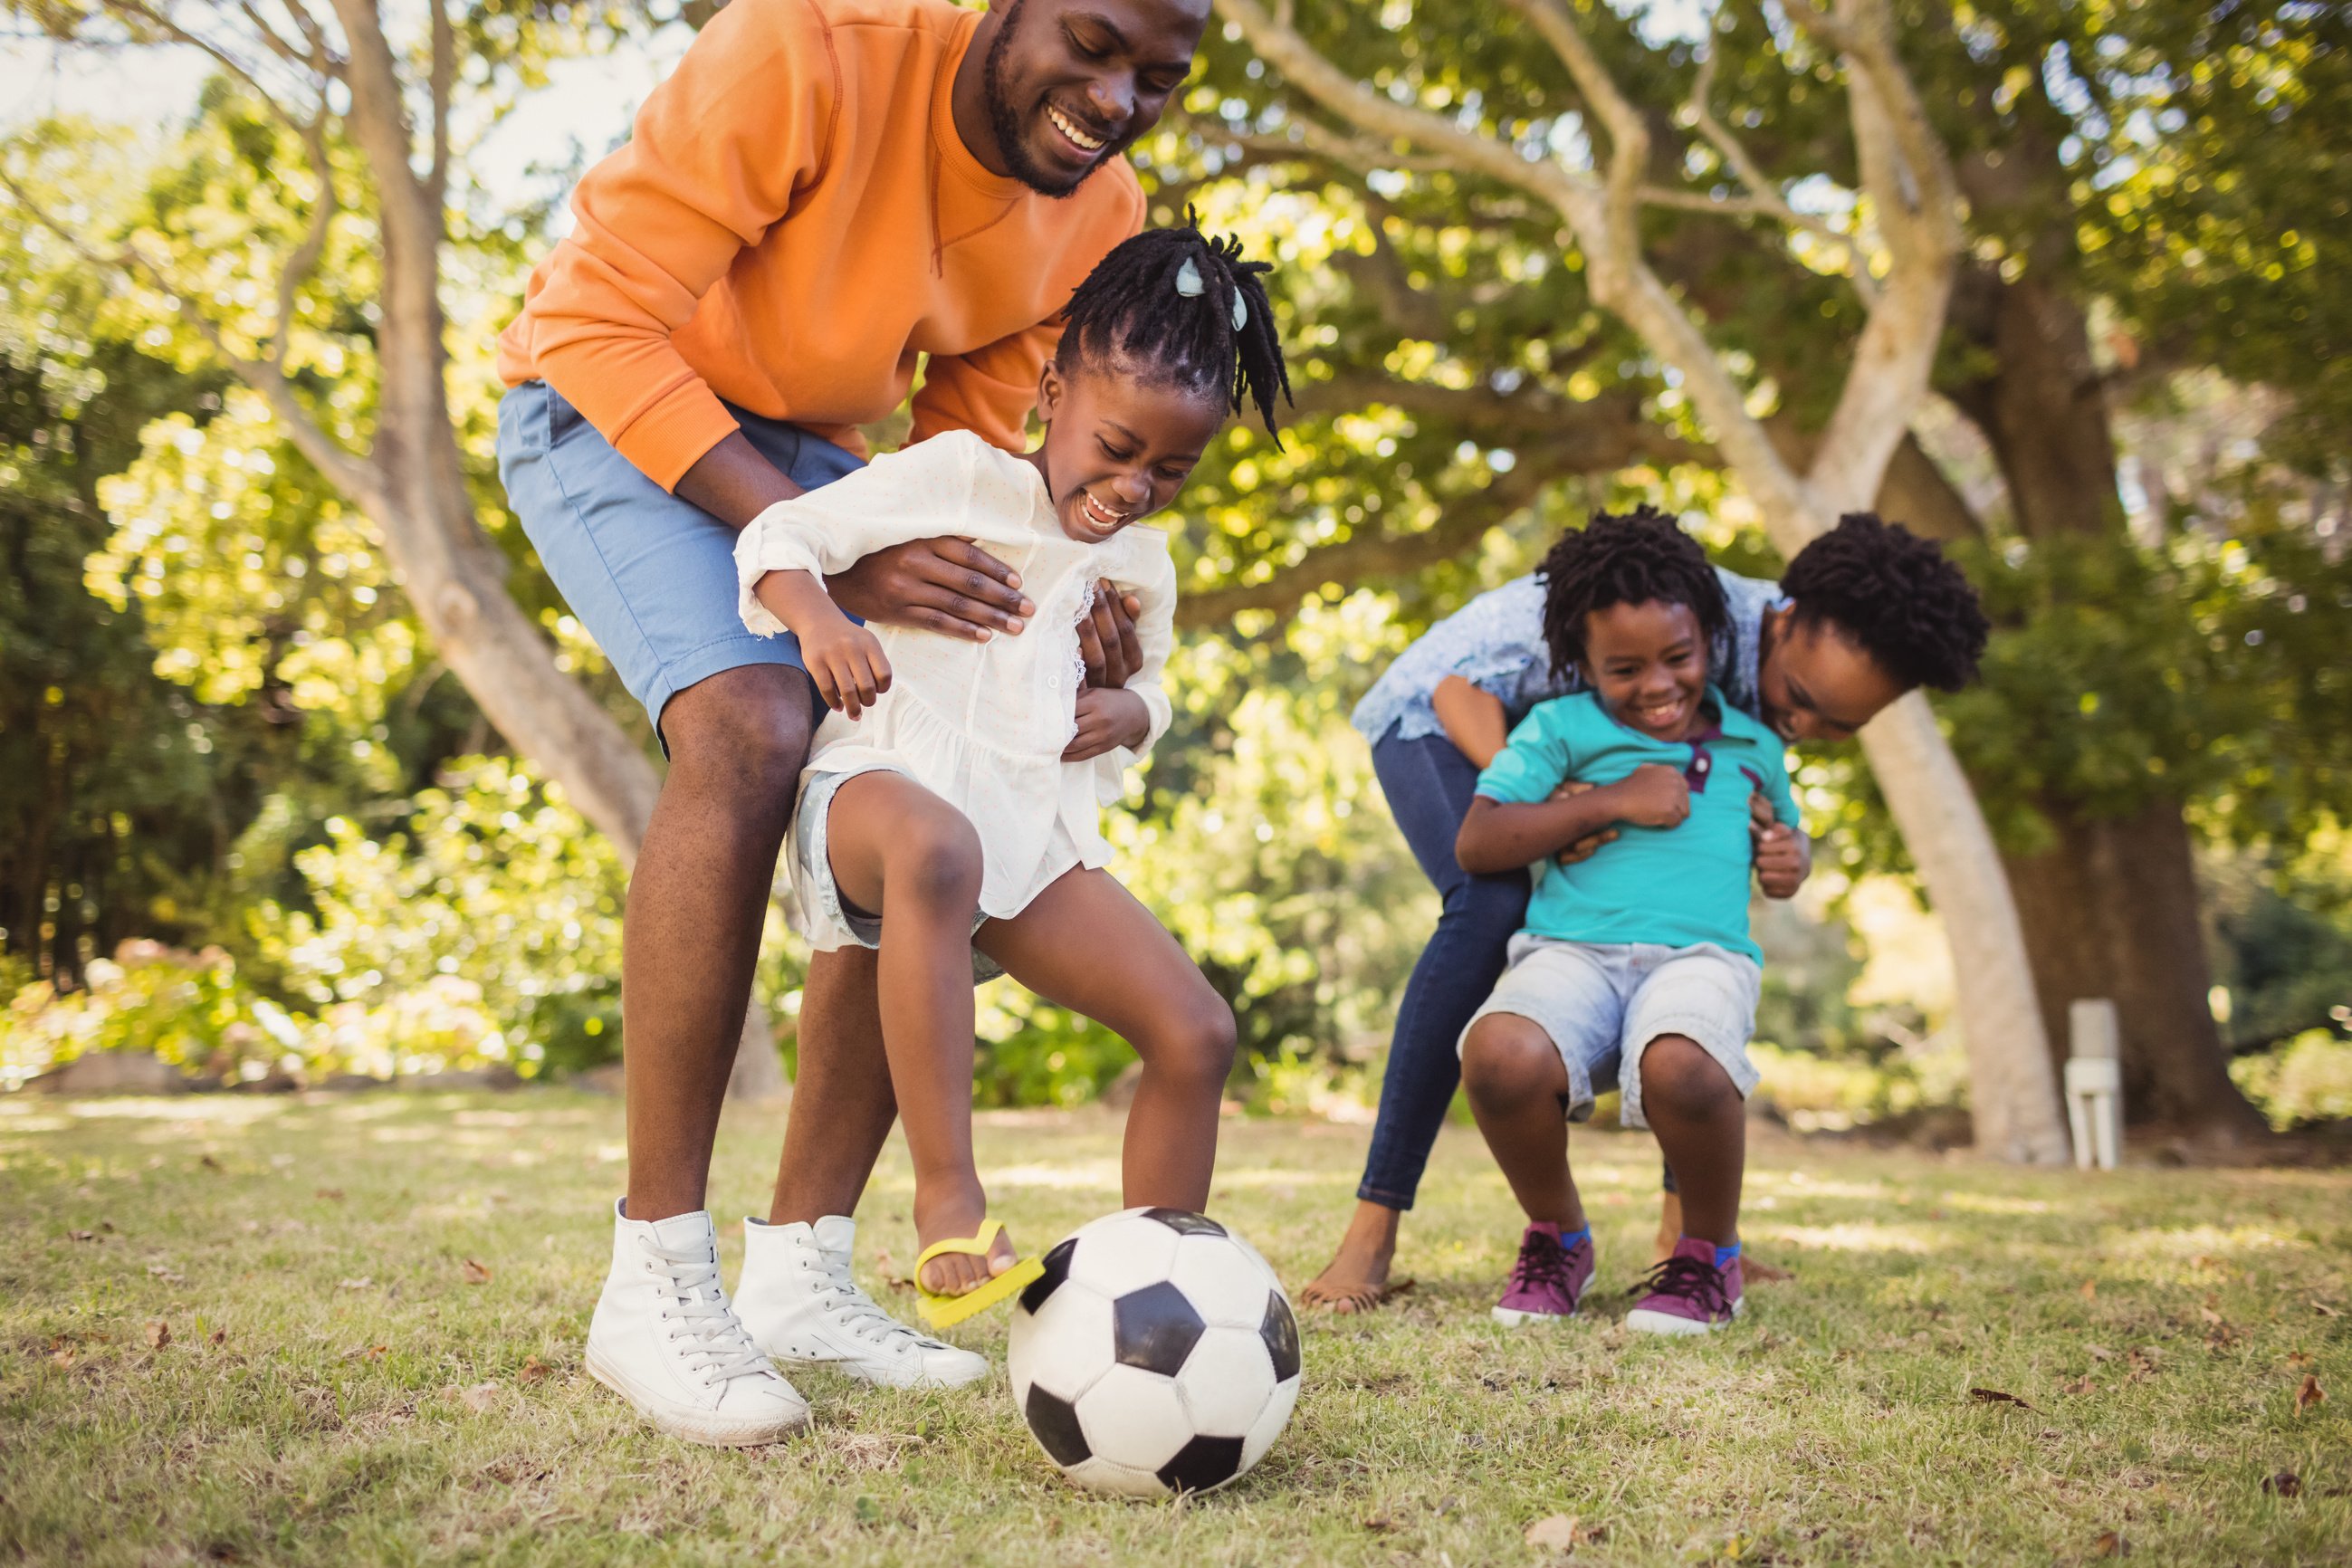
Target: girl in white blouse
{"x":951,"y":798}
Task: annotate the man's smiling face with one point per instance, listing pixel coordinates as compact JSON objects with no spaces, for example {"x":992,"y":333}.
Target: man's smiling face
{"x":1070,"y":84}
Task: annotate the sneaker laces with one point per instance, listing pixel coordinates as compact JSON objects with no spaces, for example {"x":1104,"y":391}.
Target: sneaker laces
{"x":716,"y":1346}
{"x":1688,"y":1279}
{"x":858,"y":1315}
{"x":1542,"y":1261}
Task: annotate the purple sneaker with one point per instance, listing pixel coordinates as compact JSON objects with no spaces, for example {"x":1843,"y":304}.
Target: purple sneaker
{"x":1547,"y":1280}
{"x":1687,"y":1294}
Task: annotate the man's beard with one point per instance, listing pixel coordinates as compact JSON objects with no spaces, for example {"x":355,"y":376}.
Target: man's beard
{"x":1012,"y":133}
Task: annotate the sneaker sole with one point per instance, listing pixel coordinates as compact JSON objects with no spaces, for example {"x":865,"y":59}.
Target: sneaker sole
{"x":1512,"y":1318}
{"x":1642,"y":1321}
{"x":884,"y":1380}
{"x":695,"y":1428}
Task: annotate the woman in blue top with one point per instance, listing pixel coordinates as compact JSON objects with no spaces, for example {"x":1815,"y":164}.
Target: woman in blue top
{"x":1863,"y":613}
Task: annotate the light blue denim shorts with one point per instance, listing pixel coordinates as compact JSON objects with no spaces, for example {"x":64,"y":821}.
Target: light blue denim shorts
{"x":652,"y":577}
{"x":813,"y":870}
{"x":1603,"y":1003}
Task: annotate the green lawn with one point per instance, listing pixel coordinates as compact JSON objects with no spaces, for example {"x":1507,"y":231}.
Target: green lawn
{"x":336,"y":1390}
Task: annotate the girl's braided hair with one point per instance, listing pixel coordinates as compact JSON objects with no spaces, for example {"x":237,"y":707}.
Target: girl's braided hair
{"x":1632,"y":558}
{"x":1130,"y":304}
{"x":1896,"y":595}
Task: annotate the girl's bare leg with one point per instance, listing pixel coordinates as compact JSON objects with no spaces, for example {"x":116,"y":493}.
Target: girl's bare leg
{"x":901,"y":852}
{"x":1085,"y":943}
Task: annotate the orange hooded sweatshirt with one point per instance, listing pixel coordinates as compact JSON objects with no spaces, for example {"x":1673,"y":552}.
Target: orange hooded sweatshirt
{"x":792,"y":222}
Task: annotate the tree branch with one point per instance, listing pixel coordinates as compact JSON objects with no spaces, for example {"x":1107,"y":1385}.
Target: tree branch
{"x":136,"y":10}
{"x":1281,"y":47}
{"x":347,"y":472}
{"x":445,"y":71}
{"x":1460,"y":524}
{"x":1764,"y":196}
{"x":300,"y":265}
{"x":1629,"y":133}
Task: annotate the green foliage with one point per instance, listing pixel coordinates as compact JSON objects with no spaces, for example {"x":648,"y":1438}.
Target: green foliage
{"x":488,"y":878}
{"x":2308,"y":1080}
{"x":186,"y":1010}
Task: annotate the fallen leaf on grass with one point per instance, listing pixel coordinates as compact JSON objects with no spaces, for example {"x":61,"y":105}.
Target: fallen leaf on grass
{"x":367,"y":1353}
{"x":2090,"y":1289}
{"x":1381,"y":1522}
{"x":80,"y":1236}
{"x":208,"y":1163}
{"x":361,"y":1282}
{"x":1764,"y":1273}
{"x":2286,"y":1484}
{"x":62,"y":1357}
{"x":1556,"y":1533}
{"x":220,"y":1336}
{"x":2309,"y":1395}
{"x":474,"y":1272}
{"x":2325,"y":1311}
{"x":534,"y":1370}
{"x":2142,"y":1363}
{"x":2298,"y":1358}
{"x":2079,"y":1387}
{"x":2099,"y":1352}
{"x":2110,"y":1544}
{"x":2211,"y":1318}
{"x":1995,"y":1397}
{"x":332,"y":1194}
{"x":479,"y":1398}
{"x":159,"y":1333}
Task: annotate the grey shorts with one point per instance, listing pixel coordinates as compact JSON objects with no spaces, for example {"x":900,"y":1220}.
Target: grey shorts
{"x":814,"y":887}
{"x":1602,"y":1004}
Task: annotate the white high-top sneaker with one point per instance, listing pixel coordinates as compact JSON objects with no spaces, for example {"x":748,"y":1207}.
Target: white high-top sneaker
{"x":664,"y":1338}
{"x":797,"y":1299}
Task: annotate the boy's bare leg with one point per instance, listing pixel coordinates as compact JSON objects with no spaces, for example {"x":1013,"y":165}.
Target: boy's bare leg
{"x":1518,"y":1090}
{"x":900,"y":851}
{"x":1702,"y":1124}
{"x":690,"y":937}
{"x":843,"y":1108}
{"x":1085,"y":943}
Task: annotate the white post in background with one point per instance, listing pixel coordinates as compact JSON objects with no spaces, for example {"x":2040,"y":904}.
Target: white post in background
{"x":2094,"y":1083}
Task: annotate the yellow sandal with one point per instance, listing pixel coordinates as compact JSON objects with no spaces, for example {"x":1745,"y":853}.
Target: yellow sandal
{"x":940,"y":1309}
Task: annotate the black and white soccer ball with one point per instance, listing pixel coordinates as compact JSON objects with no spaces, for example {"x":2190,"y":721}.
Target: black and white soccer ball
{"x":1158,"y":1355}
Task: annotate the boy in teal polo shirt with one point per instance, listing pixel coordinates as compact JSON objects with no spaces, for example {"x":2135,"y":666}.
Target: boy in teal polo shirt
{"x":1636,"y":968}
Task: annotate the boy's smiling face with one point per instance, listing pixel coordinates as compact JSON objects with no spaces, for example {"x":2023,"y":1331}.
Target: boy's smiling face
{"x":1647,"y":663}
{"x":1118,"y":446}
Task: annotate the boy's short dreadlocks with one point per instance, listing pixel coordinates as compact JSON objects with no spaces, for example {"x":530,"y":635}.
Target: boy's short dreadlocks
{"x":1130,"y":304}
{"x":1896,"y":595}
{"x":1635,"y":558}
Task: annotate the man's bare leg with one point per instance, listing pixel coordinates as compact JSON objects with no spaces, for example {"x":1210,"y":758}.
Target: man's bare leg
{"x":842,"y":1105}
{"x":690,"y":937}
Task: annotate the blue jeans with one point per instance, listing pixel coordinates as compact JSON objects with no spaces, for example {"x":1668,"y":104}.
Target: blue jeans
{"x":1428,"y":784}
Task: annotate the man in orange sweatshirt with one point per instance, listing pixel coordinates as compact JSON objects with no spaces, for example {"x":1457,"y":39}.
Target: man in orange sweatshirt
{"x":825,"y":197}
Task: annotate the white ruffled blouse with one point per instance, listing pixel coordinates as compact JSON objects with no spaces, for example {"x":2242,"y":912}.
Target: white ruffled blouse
{"x":983,"y":725}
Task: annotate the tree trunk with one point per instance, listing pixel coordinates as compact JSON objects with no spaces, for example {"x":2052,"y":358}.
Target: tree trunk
{"x":2103,"y":912}
{"x":2012,"y":1087}
{"x":2115,"y":910}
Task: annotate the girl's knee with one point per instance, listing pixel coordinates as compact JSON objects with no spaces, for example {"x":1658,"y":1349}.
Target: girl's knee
{"x":935,"y":856}
{"x":1677,"y":1072}
{"x":1196,"y":1040}
{"x":1507,"y":1058}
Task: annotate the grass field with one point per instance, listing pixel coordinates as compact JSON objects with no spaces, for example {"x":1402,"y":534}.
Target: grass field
{"x":339,"y":1387}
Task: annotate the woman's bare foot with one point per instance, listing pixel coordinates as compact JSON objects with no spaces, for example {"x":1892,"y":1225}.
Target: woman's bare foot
{"x":958,"y":1273}
{"x":1357,"y":1277}
{"x":1670,"y":1228}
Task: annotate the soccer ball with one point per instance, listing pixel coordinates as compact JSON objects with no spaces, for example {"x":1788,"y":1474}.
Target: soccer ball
{"x":1156,"y":1355}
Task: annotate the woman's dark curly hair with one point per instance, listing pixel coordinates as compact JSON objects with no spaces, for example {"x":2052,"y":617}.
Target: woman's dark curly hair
{"x":1895,"y":596}
{"x":1129,"y":304}
{"x":1633,"y":558}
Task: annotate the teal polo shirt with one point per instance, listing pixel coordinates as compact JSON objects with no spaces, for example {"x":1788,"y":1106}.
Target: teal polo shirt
{"x":1675,"y":886}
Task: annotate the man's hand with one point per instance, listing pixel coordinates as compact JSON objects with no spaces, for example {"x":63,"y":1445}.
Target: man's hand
{"x":1653,"y":795}
{"x":1106,"y":639}
{"x":1784,"y":857}
{"x":1108,"y":719}
{"x":1583,"y":849}
{"x":846,"y":662}
{"x":948,"y":585}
